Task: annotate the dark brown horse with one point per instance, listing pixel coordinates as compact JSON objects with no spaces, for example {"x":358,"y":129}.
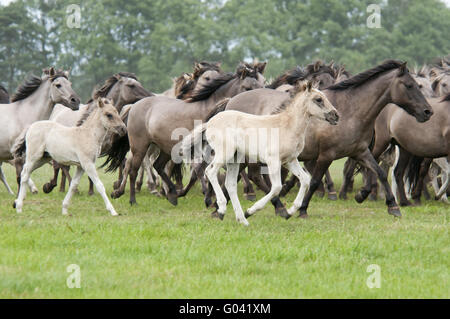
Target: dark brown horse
{"x":359,"y":100}
{"x":161,"y":121}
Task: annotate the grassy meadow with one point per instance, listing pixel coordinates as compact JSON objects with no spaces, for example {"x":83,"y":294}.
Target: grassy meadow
{"x":155,"y":250}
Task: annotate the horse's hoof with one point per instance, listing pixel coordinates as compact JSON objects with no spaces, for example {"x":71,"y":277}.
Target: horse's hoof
{"x":47,"y":188}
{"x":209,"y":203}
{"x":216,"y":214}
{"x":359,"y":198}
{"x":343,"y":196}
{"x":303,"y":214}
{"x":405,"y":203}
{"x":394,"y":211}
{"x":34,"y":191}
{"x":320,"y":194}
{"x":173,"y":199}
{"x":133,"y":203}
{"x":246,"y":214}
{"x":116,"y":185}
{"x":14,"y":204}
{"x":115,"y":194}
{"x":90,"y":193}
{"x":282,"y":212}
{"x":332,"y":196}
{"x":250,"y":196}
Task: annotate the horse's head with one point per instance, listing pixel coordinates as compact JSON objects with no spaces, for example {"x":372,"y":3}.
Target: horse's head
{"x":128,"y":89}
{"x":314,"y":101}
{"x":405,"y":92}
{"x":424,"y":84}
{"x":205,"y":73}
{"x":441,"y":82}
{"x":110,"y":118}
{"x":324,"y":75}
{"x":61,"y":88}
{"x":250,"y":76}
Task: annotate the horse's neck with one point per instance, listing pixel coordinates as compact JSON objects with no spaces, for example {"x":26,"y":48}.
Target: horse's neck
{"x":366,"y":102}
{"x":114,"y":94}
{"x":94,"y":125}
{"x":297,"y":122}
{"x":225,"y":91}
{"x":38,"y":106}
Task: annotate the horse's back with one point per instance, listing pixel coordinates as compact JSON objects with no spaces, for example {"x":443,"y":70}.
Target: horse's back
{"x":259,"y":101}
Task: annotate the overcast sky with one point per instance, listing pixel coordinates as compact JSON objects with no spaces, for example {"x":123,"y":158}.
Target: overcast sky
{"x":6,"y":2}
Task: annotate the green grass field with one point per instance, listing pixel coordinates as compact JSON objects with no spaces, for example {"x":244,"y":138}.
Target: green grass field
{"x":155,"y":250}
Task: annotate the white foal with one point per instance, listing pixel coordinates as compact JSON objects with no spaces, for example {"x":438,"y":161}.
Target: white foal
{"x":80,"y":146}
{"x":278,"y":139}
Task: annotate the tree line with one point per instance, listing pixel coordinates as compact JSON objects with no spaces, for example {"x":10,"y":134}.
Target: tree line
{"x":160,"y":39}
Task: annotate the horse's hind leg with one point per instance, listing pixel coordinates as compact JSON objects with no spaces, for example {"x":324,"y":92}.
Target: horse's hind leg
{"x":332,"y":195}
{"x":140,"y":178}
{"x":123,"y":182}
{"x":28,"y":168}
{"x":347,"y":181}
{"x":274,"y":168}
{"x":211,"y":172}
{"x":92,"y":173}
{"x":91,"y":187}
{"x":48,"y":187}
{"x":310,"y":165}
{"x":231,"y":186}
{"x":72,"y":187}
{"x":367,"y":160}
{"x":305,"y":179}
{"x":423,"y":171}
{"x":159,"y":165}
{"x":3,"y":178}
{"x":255,"y":176}
{"x":249,"y":192}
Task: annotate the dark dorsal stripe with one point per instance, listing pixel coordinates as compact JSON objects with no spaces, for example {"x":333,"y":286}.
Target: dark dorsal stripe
{"x":110,"y":82}
{"x":365,"y":76}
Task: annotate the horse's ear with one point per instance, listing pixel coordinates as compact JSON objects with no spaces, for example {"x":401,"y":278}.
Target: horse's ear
{"x":435,"y":83}
{"x":218,"y":64}
{"x":317,"y":65}
{"x":260,"y":67}
{"x":309,"y":86}
{"x":433,"y":73}
{"x":402,"y":70}
{"x":101,"y":103}
{"x":52,"y":72}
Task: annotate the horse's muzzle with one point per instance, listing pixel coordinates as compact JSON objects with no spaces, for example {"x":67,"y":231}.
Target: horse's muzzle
{"x":121,"y":130}
{"x":74,"y":103}
{"x":332,"y":117}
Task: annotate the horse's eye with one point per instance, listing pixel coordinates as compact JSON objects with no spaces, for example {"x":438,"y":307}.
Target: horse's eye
{"x":420,"y":86}
{"x":109,"y":116}
{"x":319,"y":100}
{"x":131,"y":86}
{"x":58,"y":86}
{"x":207,"y":78}
{"x":445,"y":84}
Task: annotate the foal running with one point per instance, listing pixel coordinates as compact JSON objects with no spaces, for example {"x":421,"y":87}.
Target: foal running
{"x":280,"y":138}
{"x":80,"y":146}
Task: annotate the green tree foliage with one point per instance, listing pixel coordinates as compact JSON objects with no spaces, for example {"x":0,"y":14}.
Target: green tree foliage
{"x":160,"y":39}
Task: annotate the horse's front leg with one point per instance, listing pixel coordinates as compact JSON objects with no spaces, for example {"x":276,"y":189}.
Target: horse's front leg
{"x":3,"y":178}
{"x":231,"y":186}
{"x":367,"y":160}
{"x":332,"y":195}
{"x":347,"y":181}
{"x":305,"y":179}
{"x":322,"y":164}
{"x":274,"y":168}
{"x":72,"y":188}
{"x":92,"y":173}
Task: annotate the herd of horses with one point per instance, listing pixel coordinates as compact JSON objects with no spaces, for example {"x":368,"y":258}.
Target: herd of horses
{"x":382,"y":117}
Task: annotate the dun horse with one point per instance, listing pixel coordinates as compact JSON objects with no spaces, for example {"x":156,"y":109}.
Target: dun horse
{"x":33,"y":101}
{"x":155,"y":120}
{"x":359,"y":100}
{"x":78,"y":145}
{"x":229,"y":134}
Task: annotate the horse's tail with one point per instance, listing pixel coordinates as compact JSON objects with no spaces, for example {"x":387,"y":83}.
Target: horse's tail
{"x":20,"y":145}
{"x":220,"y":107}
{"x":414,"y":170}
{"x":192,"y":141}
{"x":116,"y":153}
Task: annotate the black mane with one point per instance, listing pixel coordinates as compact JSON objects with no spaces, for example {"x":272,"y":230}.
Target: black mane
{"x":207,"y":90}
{"x":109,"y":83}
{"x":86,"y":113}
{"x":289,"y":77}
{"x":31,"y":84}
{"x":365,"y":76}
